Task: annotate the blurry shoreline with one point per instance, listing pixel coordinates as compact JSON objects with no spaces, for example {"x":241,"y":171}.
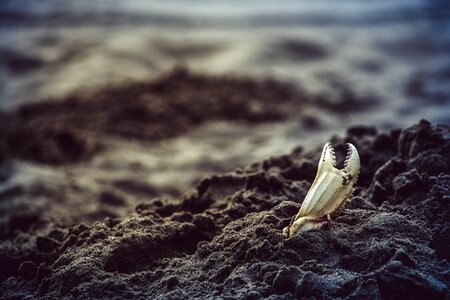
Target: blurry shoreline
{"x":229,"y":14}
{"x":395,"y":52}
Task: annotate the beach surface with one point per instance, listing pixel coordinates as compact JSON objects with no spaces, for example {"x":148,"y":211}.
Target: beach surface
{"x":156,"y":149}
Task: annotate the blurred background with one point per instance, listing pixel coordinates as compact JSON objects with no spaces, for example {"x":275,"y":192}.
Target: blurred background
{"x":106,"y":104}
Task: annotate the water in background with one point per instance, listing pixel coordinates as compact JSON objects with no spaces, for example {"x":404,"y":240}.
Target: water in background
{"x":393,"y":54}
{"x":396,"y":51}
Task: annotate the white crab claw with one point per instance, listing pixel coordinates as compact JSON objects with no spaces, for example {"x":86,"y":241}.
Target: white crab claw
{"x":329,"y":191}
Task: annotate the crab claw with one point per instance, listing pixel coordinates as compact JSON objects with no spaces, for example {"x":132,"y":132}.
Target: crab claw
{"x":329,"y":192}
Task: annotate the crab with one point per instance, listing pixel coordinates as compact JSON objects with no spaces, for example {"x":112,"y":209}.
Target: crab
{"x":329,"y":192}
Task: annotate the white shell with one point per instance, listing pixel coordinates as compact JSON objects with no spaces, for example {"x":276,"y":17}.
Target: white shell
{"x":330,"y":189}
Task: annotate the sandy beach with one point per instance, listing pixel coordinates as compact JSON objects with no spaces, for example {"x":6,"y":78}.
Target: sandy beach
{"x":156,"y":150}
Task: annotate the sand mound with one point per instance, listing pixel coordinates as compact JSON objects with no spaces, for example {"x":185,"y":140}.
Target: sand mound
{"x":223,"y":239}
